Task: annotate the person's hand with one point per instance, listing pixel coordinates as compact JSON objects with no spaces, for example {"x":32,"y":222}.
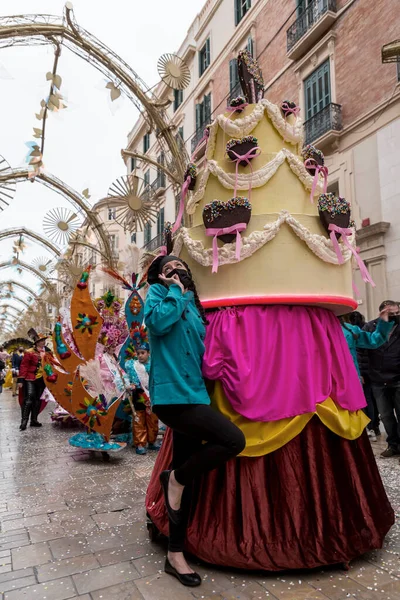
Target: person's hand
{"x":170,"y":280}
{"x":20,"y":386}
{"x":386,"y":312}
{"x":362,"y":380}
{"x":133,"y":386}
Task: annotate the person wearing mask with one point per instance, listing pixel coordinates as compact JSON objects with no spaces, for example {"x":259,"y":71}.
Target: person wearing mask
{"x":384,"y":373}
{"x":16,"y":360}
{"x":202,"y":438}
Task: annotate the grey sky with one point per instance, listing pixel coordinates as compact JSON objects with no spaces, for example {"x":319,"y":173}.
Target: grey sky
{"x":83,"y":143}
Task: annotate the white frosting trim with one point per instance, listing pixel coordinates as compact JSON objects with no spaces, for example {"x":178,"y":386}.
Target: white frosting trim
{"x":264,"y":174}
{"x":256,"y":179}
{"x":320,"y":245}
{"x":292,"y":133}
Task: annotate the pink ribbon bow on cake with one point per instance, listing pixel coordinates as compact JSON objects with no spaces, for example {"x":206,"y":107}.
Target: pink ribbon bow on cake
{"x":311,"y":164}
{"x":345,"y":233}
{"x":215,"y":232}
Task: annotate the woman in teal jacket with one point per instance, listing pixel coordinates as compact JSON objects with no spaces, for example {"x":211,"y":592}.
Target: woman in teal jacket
{"x":357,"y":338}
{"x":176,"y":322}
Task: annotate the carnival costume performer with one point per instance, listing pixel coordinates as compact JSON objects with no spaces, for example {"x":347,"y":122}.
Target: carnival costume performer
{"x":176,"y":324}
{"x":271,"y":252}
{"x":145,"y":425}
{"x":30,"y":379}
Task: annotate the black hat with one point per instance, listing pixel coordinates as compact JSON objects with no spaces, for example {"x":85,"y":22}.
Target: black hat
{"x":157,"y":266}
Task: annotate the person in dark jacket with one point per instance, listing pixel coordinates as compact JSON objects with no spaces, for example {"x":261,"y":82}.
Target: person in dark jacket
{"x":384,"y":373}
{"x":16,"y":360}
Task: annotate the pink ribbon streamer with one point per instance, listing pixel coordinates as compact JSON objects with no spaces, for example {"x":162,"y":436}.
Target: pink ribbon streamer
{"x":239,"y":107}
{"x":215,"y":231}
{"x":345,"y":233}
{"x":203,"y":139}
{"x":311,"y":164}
{"x":184,"y":191}
{"x":252,"y":153}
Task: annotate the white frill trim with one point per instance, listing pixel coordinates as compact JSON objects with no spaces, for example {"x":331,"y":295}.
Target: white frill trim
{"x":320,"y":245}
{"x":262,"y":176}
{"x":256,"y":179}
{"x":242,"y":127}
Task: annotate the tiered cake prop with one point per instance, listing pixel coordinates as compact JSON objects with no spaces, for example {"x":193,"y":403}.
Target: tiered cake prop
{"x":278,"y":363}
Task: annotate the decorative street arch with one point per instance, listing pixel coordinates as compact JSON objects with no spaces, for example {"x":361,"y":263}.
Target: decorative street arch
{"x":16,"y":231}
{"x":20,"y":285}
{"x":22,"y":265}
{"x":18,"y":299}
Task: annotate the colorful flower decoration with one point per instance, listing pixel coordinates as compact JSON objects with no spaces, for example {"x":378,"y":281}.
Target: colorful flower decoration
{"x":86,"y":322}
{"x":135,"y":306}
{"x":114,"y":330}
{"x":235,"y":141}
{"x":92,"y":410}
{"x":68,"y":389}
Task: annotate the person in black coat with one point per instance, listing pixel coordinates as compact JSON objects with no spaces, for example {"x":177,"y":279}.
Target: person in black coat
{"x":384,"y":374}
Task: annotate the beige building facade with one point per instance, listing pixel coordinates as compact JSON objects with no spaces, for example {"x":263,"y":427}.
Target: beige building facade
{"x":326,"y":56}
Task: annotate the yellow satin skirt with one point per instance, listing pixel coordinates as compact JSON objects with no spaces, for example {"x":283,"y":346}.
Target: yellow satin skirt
{"x":265,"y":437}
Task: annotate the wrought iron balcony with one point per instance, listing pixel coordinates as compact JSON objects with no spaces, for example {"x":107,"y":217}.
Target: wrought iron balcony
{"x":329,"y":119}
{"x":155,"y":243}
{"x":197,"y":137}
{"x":317,"y":17}
{"x":235,"y":92}
{"x":155,"y":188}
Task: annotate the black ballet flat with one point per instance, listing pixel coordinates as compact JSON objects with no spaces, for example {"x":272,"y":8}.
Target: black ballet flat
{"x":188,"y":579}
{"x":174,"y":515}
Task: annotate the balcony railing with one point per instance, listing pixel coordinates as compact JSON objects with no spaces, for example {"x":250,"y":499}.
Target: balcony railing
{"x":155,"y":187}
{"x":235,"y":92}
{"x":155,"y":243}
{"x":308,"y":18}
{"x":197,"y":137}
{"x":327,"y":119}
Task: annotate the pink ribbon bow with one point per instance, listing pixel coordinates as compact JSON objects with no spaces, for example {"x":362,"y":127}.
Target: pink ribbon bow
{"x":311,"y":164}
{"x":361,"y":265}
{"x":215,"y":231}
{"x":239,"y":107}
{"x":252,"y":153}
{"x":294,"y":111}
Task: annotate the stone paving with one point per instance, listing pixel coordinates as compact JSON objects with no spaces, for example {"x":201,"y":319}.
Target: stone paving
{"x":74,"y":527}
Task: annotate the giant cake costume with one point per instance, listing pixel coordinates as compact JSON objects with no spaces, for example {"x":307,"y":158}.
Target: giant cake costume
{"x":271,"y":254}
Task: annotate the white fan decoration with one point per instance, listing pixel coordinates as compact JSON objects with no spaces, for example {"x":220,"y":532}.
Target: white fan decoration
{"x":173,"y":71}
{"x":60,"y":224}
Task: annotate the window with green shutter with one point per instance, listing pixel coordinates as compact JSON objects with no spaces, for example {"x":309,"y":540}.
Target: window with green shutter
{"x":146,"y":142}
{"x":160,"y":221}
{"x":147,"y":233}
{"x":133,"y":238}
{"x":234,"y":82}
{"x":204,"y":57}
{"x":317,"y":90}
{"x":146,"y":177}
{"x":250,"y":46}
{"x":178,"y":98}
{"x":132,"y":163}
{"x":241,"y":8}
{"x":203,"y":112}
{"x":160,"y":172}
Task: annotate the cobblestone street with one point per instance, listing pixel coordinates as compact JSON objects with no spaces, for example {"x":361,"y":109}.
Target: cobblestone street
{"x":73,"y":526}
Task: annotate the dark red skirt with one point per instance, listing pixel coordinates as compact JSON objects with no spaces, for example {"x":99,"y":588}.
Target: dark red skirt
{"x":317,"y":501}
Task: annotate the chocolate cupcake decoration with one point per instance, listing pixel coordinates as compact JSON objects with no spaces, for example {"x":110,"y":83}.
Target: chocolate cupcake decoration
{"x":289,"y":108}
{"x":250,"y":76}
{"x":238,"y":104}
{"x":312,"y":157}
{"x":334,"y":210}
{"x":221,"y":215}
{"x":246,"y":147}
{"x":191,"y":171}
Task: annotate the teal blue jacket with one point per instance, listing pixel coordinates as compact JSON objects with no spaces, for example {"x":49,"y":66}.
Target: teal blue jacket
{"x":177,"y":346}
{"x":356,"y":338}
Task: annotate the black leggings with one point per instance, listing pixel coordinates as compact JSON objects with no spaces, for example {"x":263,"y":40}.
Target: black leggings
{"x":193,"y":424}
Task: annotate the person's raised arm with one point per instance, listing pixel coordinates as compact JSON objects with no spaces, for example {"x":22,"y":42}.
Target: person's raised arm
{"x":164,"y":306}
{"x":374,"y":339}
